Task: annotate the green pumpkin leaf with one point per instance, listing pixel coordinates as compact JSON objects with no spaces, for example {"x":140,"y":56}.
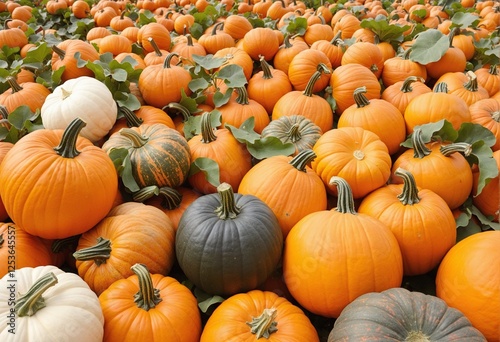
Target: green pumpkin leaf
{"x":482,"y":156}
{"x":486,"y":221}
{"x":441,"y":130}
{"x":294,"y":26}
{"x":123,"y":166}
{"x":197,"y":84}
{"x":220,"y":99}
{"x":209,"y":167}
{"x":119,"y":75}
{"x":146,"y":17}
{"x":386,"y":32}
{"x":269,"y":147}
{"x":127,"y":100}
{"x":462,"y":19}
{"x":209,"y":62}
{"x":245,"y":133}
{"x":471,"y":133}
{"x":192,"y":126}
{"x":233,"y":76}
{"x":19,"y":116}
{"x":188,"y":102}
{"x":429,"y":46}
{"x":205,"y":300}
{"x":38,"y":54}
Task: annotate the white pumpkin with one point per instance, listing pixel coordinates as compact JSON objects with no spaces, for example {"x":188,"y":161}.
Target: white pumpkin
{"x":72,"y":311}
{"x":84,"y":97}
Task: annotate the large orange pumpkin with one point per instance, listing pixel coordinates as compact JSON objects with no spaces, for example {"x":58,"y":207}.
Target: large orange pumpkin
{"x":56,"y":184}
{"x":331,"y":257}
{"x":468,"y":279}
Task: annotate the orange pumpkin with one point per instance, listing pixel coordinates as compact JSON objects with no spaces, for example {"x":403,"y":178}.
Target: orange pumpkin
{"x":149,"y":307}
{"x":79,"y":179}
{"x":468,"y":280}
{"x":64,"y":55}
{"x":402,"y":92}
{"x":486,"y":112}
{"x":328,"y":247}
{"x":31,"y":94}
{"x":464,"y":85}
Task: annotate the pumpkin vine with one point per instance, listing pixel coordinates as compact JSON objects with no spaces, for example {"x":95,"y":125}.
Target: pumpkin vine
{"x":67,"y":146}
{"x":228,"y":208}
{"x":32,"y":301}
{"x":265,"y":324}
{"x":147,"y":297}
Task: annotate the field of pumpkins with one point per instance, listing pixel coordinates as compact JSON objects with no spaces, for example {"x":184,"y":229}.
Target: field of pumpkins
{"x":243,"y":170}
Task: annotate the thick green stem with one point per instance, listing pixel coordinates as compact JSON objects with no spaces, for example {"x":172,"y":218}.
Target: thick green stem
{"x":302,"y":159}
{"x":228,"y":208}
{"x":60,"y":245}
{"x":168,"y":59}
{"x":218,"y":26}
{"x":67,"y":146}
{"x":419,"y":148}
{"x":493,"y":70}
{"x":60,"y":52}
{"x":345,"y":201}
{"x":406,"y":86}
{"x":441,"y":87}
{"x":462,"y":147}
{"x":14,"y":86}
{"x":409,"y":195}
{"x":32,"y":301}
{"x":242,"y":98}
{"x":130,"y":117}
{"x":266,"y":69}
{"x":264,"y":325}
{"x":147,"y":297}
{"x":99,"y":252}
{"x":155,"y":46}
{"x":360,"y":98}
{"x":314,"y":78}
{"x":171,"y":198}
{"x":186,"y":114}
{"x":134,"y":136}
{"x":146,"y":193}
{"x":471,"y":84}
{"x":294,"y":133}
{"x":207,"y":131}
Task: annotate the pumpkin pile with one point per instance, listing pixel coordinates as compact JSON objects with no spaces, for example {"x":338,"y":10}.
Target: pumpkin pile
{"x":233,"y":170}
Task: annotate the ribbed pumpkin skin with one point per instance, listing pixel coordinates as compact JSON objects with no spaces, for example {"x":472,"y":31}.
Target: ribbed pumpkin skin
{"x":228,"y":256}
{"x":468,"y":279}
{"x":163,"y":161}
{"x":394,"y":314}
{"x":79,"y":191}
{"x":229,"y":321}
{"x":331,"y":258}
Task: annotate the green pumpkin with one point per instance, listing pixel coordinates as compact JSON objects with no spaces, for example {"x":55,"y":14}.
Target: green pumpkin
{"x":397,"y":314}
{"x":228,"y":243}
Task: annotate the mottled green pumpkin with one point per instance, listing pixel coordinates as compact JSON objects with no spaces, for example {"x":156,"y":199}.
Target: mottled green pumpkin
{"x":159,"y":155}
{"x":397,"y":315}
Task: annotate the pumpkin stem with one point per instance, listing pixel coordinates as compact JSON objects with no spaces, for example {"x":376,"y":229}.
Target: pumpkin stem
{"x":461,"y":147}
{"x":406,"y":86}
{"x":32,"y":301}
{"x":419,"y":148}
{"x":172,"y":198}
{"x":294,"y":133}
{"x":207,"y":131}
{"x":337,"y":39}
{"x":416,"y":336}
{"x":286,"y":42}
{"x":452,"y":34}
{"x":2,"y":240}
{"x":242,"y":98}
{"x":359,"y":97}
{"x":60,"y":52}
{"x":314,"y":78}
{"x":493,"y":70}
{"x":471,"y":84}
{"x":496,"y":116}
{"x":266,"y":69}
{"x":59,"y":245}
{"x":4,"y":114}
{"x":147,"y":297}
{"x":345,"y":201}
{"x":218,"y":26}
{"x":186,"y":114}
{"x":166,"y":62}
{"x":155,"y":46}
{"x":100,"y":252}
{"x":228,"y":208}
{"x":14,"y":86}
{"x":409,"y":195}
{"x":67,"y":146}
{"x":265,"y":324}
{"x":130,"y":117}
{"x":302,"y":159}
{"x":146,"y":193}
{"x":134,"y":136}
{"x":441,"y":87}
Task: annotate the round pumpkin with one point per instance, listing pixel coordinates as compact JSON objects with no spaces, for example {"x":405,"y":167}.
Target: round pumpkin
{"x":84,"y":97}
{"x":228,"y":243}
{"x":78,"y":179}
{"x":149,"y":307}
{"x":159,"y":155}
{"x":131,"y":233}
{"x":397,"y":314}
{"x":258,"y":315}
{"x":30,"y":94}
{"x":331,"y":257}
{"x":468,"y":279}
{"x":64,"y":55}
